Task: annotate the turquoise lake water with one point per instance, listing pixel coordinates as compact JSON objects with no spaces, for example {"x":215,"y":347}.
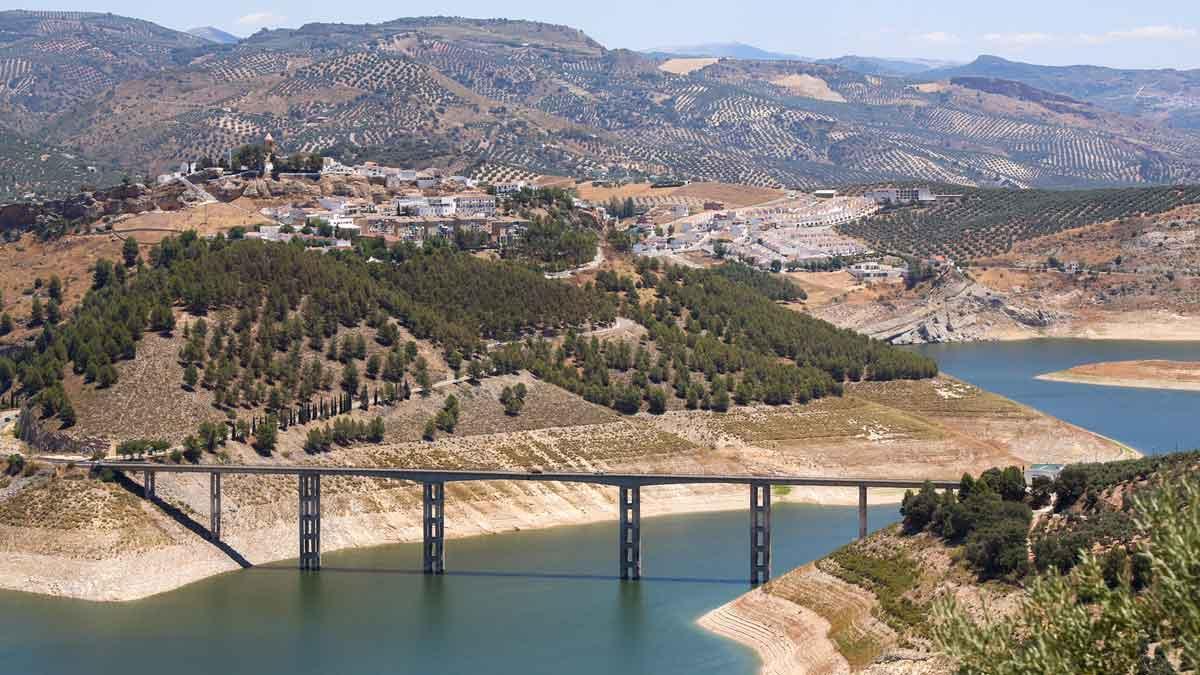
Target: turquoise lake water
{"x":536,"y":602}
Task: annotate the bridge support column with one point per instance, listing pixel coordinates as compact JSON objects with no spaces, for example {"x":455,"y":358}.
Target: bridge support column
{"x":433,"y":549}
{"x":631,"y":531}
{"x":148,"y":487}
{"x":760,"y":533}
{"x":310,"y":521}
{"x":862,"y":511}
{"x":214,"y":506}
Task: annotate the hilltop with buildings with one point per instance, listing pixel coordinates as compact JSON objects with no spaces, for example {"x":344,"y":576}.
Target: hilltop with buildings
{"x":504,"y":101}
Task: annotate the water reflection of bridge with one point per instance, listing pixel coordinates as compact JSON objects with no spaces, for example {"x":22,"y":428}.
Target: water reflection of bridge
{"x":434,"y":490}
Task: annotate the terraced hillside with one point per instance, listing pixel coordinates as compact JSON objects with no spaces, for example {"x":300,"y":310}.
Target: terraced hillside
{"x":984,"y":222}
{"x":27,"y":166}
{"x":49,"y":60}
{"x":497,"y":97}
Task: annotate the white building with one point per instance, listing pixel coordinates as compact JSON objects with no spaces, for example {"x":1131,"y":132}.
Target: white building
{"x":332,"y":167}
{"x":875,"y":270}
{"x":410,"y":206}
{"x":342,"y":222}
{"x":476,"y":204}
{"x":901,"y":196}
{"x":370,"y":170}
{"x":442,"y":206}
{"x":509,"y":187}
{"x":272,"y":233}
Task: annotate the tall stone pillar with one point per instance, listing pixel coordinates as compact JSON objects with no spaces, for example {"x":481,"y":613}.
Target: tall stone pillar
{"x":760,"y":533}
{"x":862,"y":511}
{"x":310,"y":521}
{"x":214,"y":506}
{"x":631,"y":531}
{"x":434,"y":528}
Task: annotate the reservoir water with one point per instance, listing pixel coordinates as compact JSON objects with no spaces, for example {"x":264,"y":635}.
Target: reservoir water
{"x":528,"y":602}
{"x":1151,"y":420}
{"x":543,"y":601}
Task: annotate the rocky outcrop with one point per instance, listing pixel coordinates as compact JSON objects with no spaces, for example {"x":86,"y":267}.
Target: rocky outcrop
{"x":954,"y":308}
{"x":265,"y":188}
{"x":89,"y":207}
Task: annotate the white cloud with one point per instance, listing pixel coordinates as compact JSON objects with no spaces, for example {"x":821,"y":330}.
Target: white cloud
{"x":938,"y":38}
{"x":1018,"y":39}
{"x":259,"y":19}
{"x":1162,"y":33}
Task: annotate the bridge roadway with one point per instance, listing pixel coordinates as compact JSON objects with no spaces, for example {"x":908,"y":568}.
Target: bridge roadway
{"x":434,"y":484}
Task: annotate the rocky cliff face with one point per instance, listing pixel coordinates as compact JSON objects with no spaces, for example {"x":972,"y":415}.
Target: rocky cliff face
{"x":954,"y":308}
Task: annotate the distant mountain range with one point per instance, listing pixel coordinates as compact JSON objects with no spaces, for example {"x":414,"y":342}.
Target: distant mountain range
{"x":1166,"y":95}
{"x":725,"y":50}
{"x":214,"y":35}
{"x":504,"y":98}
{"x":868,"y":65}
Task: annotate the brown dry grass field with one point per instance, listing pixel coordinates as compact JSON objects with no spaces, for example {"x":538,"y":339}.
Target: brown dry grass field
{"x":208,"y":219}
{"x":685,"y":66}
{"x":733,"y":196}
{"x":72,"y":258}
{"x":808,"y":86}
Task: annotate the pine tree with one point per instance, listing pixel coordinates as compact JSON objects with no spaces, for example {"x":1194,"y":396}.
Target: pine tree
{"x":350,"y":378}
{"x":267,"y":434}
{"x":376,"y":431}
{"x":190,"y":376}
{"x":35,"y":312}
{"x":129,"y":252}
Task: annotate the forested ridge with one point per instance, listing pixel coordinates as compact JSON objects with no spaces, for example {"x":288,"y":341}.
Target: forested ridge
{"x":278,"y":311}
{"x":282,"y":298}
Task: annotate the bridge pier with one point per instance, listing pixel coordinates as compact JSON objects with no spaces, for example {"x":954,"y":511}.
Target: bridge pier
{"x":631,"y":531}
{"x":214,"y":506}
{"x":310,"y":520}
{"x":433,"y":548}
{"x":760,"y":533}
{"x":148,"y":487}
{"x":862,"y":511}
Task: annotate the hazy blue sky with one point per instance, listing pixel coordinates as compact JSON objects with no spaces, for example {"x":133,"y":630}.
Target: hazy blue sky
{"x":1148,"y":33}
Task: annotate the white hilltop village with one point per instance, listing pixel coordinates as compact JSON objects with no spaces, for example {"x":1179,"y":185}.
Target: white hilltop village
{"x":790,"y":231}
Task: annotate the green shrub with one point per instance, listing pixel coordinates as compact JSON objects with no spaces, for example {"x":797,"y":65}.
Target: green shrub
{"x":919,"y":509}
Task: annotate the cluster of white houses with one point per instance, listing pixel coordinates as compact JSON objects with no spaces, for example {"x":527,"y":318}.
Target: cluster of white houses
{"x":396,"y":178}
{"x":409,"y":217}
{"x":797,"y":229}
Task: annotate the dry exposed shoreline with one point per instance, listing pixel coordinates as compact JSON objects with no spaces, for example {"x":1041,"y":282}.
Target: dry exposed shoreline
{"x":68,"y":536}
{"x":167,"y":568}
{"x":1153,"y":374}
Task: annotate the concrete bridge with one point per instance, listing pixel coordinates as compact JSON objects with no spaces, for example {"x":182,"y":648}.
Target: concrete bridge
{"x":434,"y":482}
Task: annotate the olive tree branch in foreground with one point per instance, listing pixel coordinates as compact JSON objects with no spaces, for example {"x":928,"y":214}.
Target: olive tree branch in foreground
{"x":1077,"y":623}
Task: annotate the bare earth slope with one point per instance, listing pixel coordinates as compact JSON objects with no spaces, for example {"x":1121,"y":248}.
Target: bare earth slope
{"x":1135,"y":278}
{"x":1183,"y":375}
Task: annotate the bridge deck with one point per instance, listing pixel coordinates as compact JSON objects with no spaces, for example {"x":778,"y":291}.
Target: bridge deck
{"x":599,"y":478}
